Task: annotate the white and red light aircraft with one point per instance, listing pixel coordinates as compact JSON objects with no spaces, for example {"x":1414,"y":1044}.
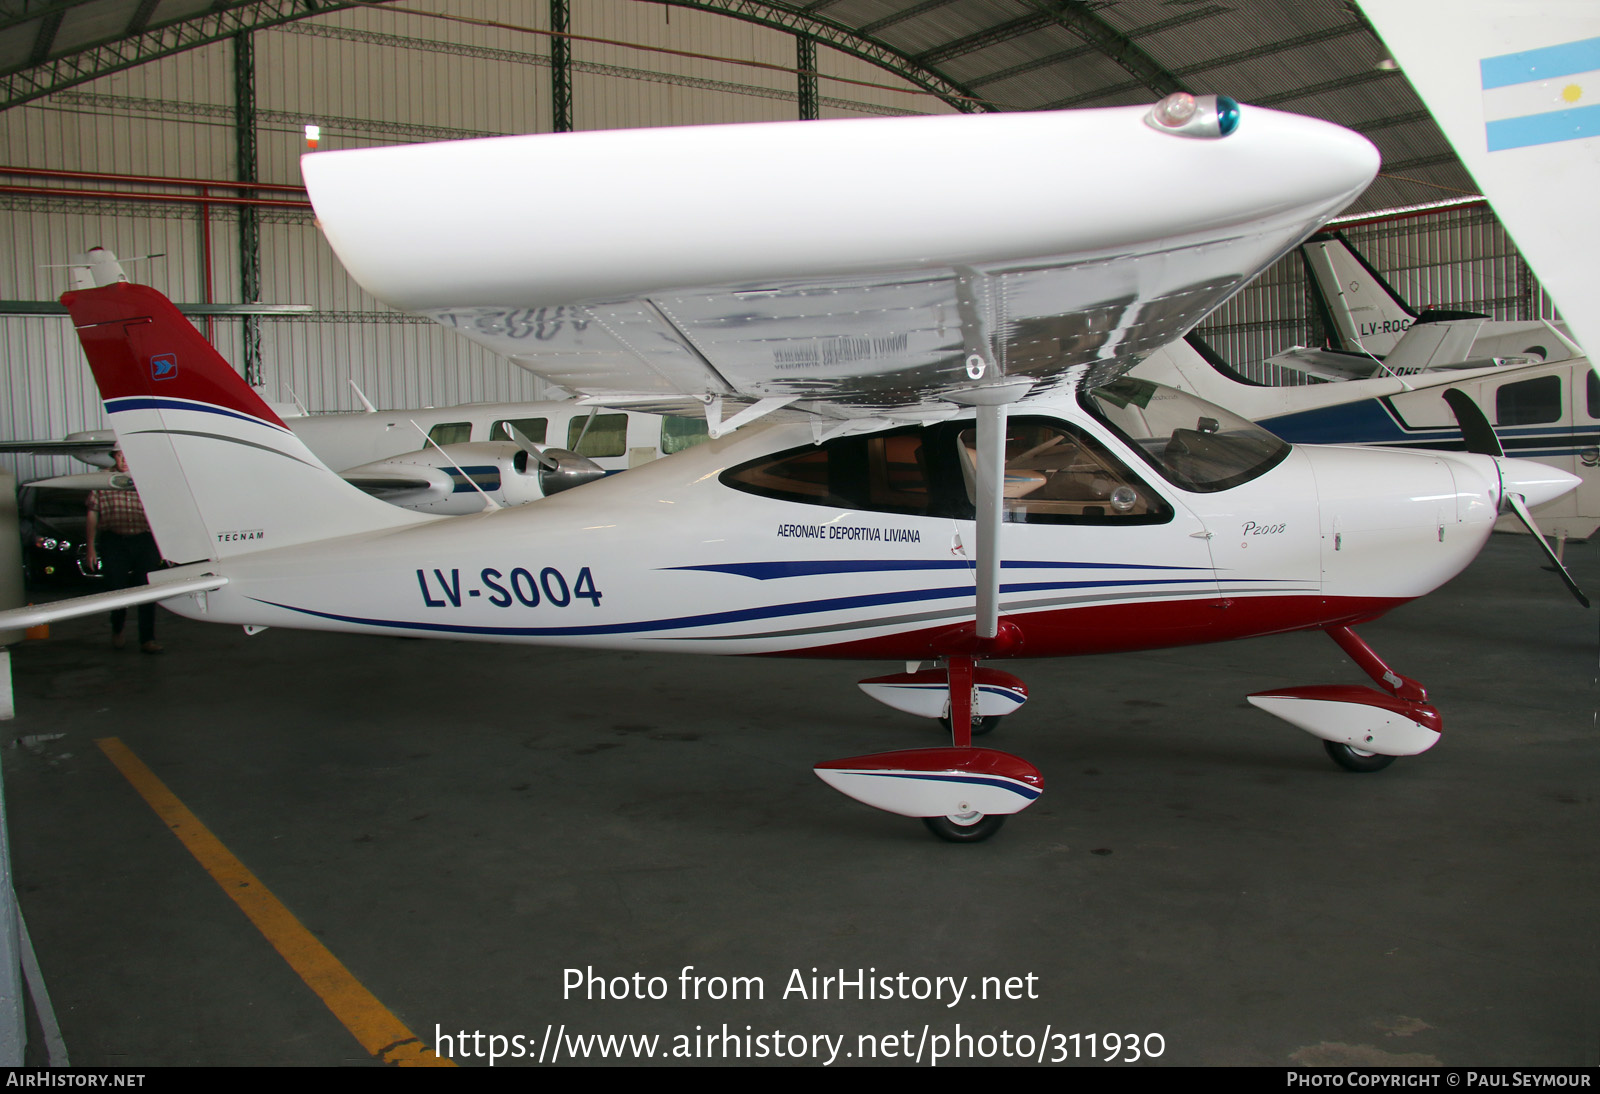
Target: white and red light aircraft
{"x":953,"y":471}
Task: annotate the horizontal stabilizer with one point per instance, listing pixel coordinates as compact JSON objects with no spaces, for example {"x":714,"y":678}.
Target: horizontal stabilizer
{"x":36,"y":614}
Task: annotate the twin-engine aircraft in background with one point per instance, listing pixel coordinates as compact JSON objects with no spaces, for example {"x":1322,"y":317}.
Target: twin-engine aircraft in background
{"x":443,"y":460}
{"x":463,"y":459}
{"x":952,"y":468}
{"x":446,"y":460}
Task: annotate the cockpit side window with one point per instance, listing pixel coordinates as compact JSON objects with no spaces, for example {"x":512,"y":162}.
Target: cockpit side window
{"x":880,"y":472}
{"x":1055,"y":474}
{"x":450,"y":433}
{"x":1193,"y":444}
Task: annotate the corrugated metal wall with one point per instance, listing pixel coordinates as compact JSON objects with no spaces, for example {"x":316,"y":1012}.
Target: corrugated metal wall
{"x":1458,"y":259}
{"x":366,"y":76}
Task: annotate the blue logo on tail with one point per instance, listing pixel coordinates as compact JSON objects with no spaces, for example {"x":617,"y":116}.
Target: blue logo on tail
{"x":163,"y":366}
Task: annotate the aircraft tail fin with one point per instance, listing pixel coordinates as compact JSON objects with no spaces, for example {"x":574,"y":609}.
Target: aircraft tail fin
{"x":218,"y":472}
{"x":1360,"y":310}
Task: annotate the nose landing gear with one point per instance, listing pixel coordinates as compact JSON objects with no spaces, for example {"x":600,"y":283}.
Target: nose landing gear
{"x":1362,"y":729}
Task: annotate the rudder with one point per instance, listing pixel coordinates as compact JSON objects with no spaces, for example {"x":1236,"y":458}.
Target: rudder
{"x":1361,"y":310}
{"x":218,"y":472}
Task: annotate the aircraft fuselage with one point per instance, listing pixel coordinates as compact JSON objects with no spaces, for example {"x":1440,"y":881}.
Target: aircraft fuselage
{"x":709,"y":552}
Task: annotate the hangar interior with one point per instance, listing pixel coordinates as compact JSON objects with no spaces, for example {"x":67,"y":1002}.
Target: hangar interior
{"x":173,"y":129}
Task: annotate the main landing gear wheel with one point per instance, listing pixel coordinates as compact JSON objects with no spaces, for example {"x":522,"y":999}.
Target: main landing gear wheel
{"x":965,"y":827}
{"x":1354,"y":759}
{"x":981,"y":724}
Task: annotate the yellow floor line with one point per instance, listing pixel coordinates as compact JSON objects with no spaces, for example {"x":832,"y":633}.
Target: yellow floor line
{"x":379,"y":1031}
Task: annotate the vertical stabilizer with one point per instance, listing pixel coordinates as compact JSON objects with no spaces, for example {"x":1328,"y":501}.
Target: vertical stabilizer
{"x":1362,"y":312}
{"x":217,"y":470}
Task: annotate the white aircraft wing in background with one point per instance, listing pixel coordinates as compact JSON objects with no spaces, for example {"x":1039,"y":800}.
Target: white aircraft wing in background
{"x":1516,"y":88}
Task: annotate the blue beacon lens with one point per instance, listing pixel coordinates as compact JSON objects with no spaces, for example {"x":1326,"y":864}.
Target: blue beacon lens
{"x":1227,"y":115}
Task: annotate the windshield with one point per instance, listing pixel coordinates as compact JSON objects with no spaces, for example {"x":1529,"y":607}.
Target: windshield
{"x":1193,"y":444}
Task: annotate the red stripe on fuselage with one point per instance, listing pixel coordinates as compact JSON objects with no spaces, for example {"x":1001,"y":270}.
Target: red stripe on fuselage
{"x":123,"y":327}
{"x":1125,"y":628}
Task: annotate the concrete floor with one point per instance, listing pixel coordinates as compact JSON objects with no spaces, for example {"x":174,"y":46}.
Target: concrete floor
{"x":461,"y":823}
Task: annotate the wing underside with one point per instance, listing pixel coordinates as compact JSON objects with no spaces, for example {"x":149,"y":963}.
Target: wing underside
{"x":869,"y":345}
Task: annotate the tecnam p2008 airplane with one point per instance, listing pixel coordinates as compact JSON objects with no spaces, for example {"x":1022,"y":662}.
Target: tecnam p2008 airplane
{"x":895,"y":504}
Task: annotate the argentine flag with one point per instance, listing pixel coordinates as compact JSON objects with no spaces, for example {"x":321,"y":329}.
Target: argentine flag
{"x":1541,"y":96}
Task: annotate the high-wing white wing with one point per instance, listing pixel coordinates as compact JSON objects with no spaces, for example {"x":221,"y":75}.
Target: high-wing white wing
{"x":857,"y":267}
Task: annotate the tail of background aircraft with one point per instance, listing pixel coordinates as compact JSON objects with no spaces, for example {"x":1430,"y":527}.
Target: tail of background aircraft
{"x":1360,"y":310}
{"x":217,"y":470}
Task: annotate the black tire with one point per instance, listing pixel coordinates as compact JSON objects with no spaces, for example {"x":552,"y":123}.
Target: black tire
{"x":1354,"y":759}
{"x":981,"y":724}
{"x":952,"y":830}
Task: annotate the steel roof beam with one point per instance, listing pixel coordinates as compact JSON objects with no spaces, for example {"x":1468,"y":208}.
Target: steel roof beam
{"x":13,"y":12}
{"x":45,"y":39}
{"x":983,"y":39}
{"x":901,"y":16}
{"x":48,"y":76}
{"x":1079,"y":51}
{"x":1082,"y":21}
{"x":1355,"y":79}
{"x":141,"y":16}
{"x":1310,"y":38}
{"x":847,"y":40}
{"x":80,"y":66}
{"x":1078,"y":18}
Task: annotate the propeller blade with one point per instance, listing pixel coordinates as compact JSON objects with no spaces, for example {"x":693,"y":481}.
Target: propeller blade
{"x":1480,"y":437}
{"x":1476,"y":431}
{"x":546,"y":460}
{"x":1520,"y":508}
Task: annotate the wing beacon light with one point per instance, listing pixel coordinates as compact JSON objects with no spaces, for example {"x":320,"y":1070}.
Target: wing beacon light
{"x":1204,"y":116}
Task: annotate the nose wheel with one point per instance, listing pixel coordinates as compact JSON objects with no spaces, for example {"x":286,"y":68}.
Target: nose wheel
{"x":1352,"y":758}
{"x":965,"y":827}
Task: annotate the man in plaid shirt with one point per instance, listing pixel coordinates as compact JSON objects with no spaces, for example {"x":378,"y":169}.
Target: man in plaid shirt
{"x":120,"y":541}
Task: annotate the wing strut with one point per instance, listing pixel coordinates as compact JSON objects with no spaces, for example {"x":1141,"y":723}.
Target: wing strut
{"x":990,"y":482}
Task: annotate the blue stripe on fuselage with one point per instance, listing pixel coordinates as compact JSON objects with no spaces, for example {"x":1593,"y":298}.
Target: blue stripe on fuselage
{"x":1364,"y":422}
{"x":742,"y":615}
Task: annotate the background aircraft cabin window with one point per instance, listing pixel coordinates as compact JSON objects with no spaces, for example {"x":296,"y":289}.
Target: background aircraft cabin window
{"x":1529,"y":402}
{"x":1193,"y":444}
{"x":680,"y":433}
{"x":1055,"y":475}
{"x":450,"y":433}
{"x":607,"y":435}
{"x":1594,"y":394}
{"x":531,"y":428}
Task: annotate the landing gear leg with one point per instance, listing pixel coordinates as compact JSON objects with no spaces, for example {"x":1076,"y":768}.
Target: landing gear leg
{"x":1361,"y":729}
{"x":963,"y":794}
